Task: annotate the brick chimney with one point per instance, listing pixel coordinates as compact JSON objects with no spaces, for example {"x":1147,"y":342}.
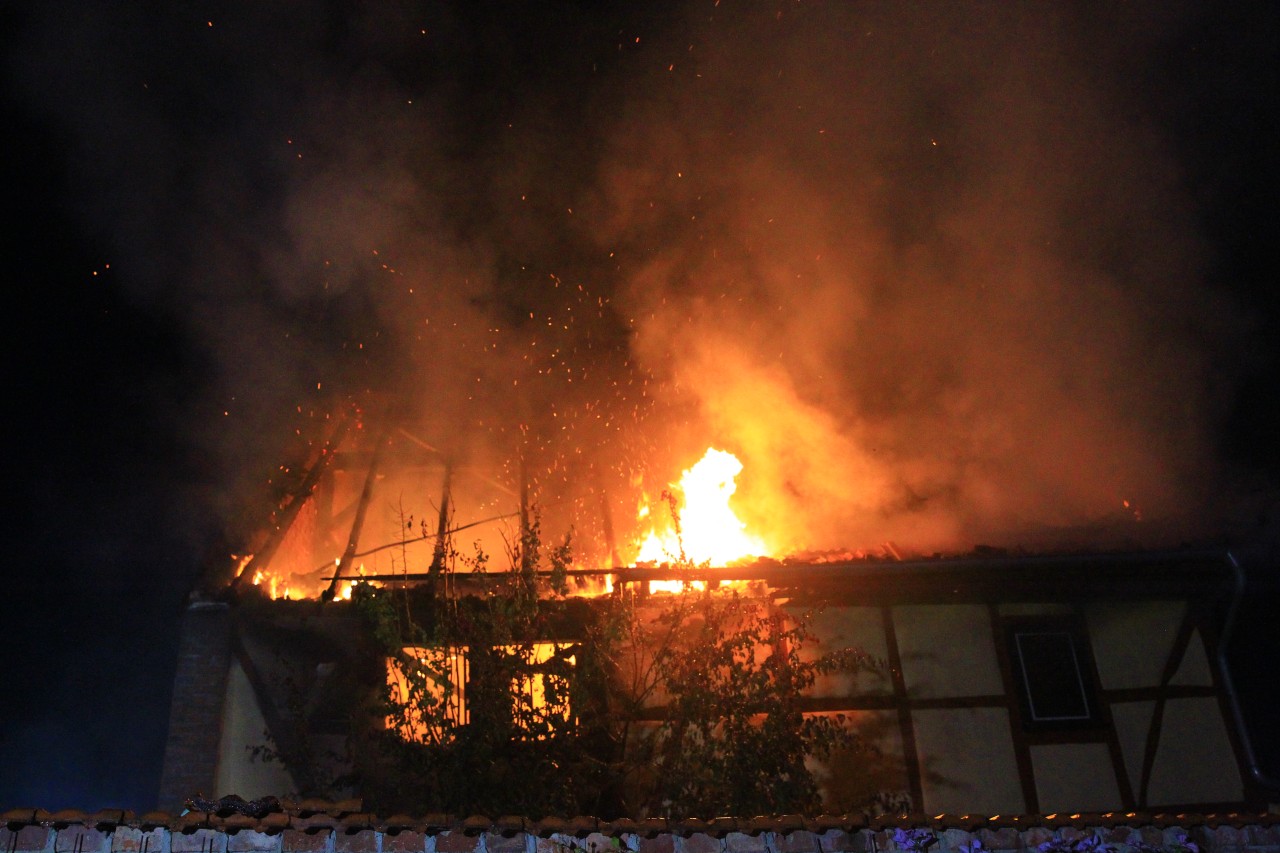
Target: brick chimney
{"x":195,"y":714}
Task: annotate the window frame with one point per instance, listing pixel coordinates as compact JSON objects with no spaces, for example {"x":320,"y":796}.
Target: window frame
{"x":527,"y":694}
{"x":1094,"y":720}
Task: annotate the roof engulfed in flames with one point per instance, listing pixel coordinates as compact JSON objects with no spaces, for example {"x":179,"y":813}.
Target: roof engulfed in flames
{"x":324,"y":537}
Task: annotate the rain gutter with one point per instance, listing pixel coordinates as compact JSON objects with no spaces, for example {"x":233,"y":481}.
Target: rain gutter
{"x":1255,"y":769}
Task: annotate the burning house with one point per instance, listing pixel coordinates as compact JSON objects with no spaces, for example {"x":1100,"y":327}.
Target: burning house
{"x":991,"y":682}
{"x":884,"y":281}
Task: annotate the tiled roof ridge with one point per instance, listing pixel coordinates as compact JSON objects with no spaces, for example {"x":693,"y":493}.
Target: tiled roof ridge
{"x":347,"y":816}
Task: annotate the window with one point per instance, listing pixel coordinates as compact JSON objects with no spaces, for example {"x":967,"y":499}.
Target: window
{"x":1053,"y":674}
{"x":436,"y":688}
{"x":436,"y":684}
{"x":540,"y":695}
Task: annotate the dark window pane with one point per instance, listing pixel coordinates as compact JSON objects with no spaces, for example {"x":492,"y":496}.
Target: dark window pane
{"x":1051,"y":675}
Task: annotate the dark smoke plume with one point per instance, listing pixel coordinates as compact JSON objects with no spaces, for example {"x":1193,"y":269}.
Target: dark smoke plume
{"x":930,"y":271}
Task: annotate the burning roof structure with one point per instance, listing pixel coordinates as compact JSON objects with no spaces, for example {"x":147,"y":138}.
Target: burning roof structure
{"x":373,"y":495}
{"x":1006,"y":681}
{"x":386,"y":504}
{"x":805,"y":301}
{"x":790,"y":309}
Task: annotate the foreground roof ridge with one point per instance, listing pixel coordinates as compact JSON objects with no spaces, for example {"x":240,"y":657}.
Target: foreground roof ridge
{"x":314,"y":815}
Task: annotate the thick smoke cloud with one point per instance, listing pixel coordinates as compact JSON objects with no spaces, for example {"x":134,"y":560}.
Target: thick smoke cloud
{"x":929,"y":271}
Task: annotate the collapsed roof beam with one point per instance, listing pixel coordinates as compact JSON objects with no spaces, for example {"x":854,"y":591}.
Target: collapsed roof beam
{"x":442,"y":531}
{"x":357,"y":524}
{"x":289,"y":513}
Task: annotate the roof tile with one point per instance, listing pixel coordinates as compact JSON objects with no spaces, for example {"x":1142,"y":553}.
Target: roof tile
{"x":721,"y":826}
{"x":548,"y":826}
{"x":203,"y":840}
{"x":274,"y":822}
{"x":311,"y":806}
{"x":582,"y":826}
{"x":404,"y":841}
{"x":356,"y":841}
{"x":622,"y":826}
{"x":509,"y":825}
{"x":475,"y":824}
{"x":789,"y":823}
{"x":651,"y":827}
{"x":435,"y":823}
{"x":111,"y":817}
{"x":688,"y":826}
{"x":23,"y":838}
{"x":66,"y":817}
{"x":313,"y":822}
{"x":313,"y":816}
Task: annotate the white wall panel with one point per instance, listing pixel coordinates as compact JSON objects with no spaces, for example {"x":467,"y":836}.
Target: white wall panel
{"x":1133,"y":720}
{"x":1195,"y":762}
{"x":967,"y":761}
{"x":1075,"y":777}
{"x":1131,"y":640}
{"x":244,"y":727}
{"x":852,"y":627}
{"x":947,"y":650}
{"x":1194,"y":669}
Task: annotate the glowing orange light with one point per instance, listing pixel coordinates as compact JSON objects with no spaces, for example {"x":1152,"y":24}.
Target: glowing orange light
{"x":709,"y":531}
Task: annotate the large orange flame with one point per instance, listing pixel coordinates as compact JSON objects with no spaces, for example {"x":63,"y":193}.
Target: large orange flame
{"x":708,"y":530}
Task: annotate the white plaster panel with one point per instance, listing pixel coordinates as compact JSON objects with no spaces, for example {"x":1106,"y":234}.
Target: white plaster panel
{"x":1194,"y":668}
{"x":244,"y":727}
{"x":947,"y":650}
{"x":1194,"y":762}
{"x":1131,"y":640}
{"x":835,"y":628}
{"x":1075,"y":777}
{"x":967,"y":761}
{"x":1133,"y":720}
{"x":851,"y":779}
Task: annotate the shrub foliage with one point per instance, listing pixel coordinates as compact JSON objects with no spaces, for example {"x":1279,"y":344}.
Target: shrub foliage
{"x":515,"y":702}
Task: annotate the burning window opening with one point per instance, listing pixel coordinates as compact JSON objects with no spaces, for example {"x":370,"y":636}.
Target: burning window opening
{"x":429,"y":697}
{"x":540,"y":696}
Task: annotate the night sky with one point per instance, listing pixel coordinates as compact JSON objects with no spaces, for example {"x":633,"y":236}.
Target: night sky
{"x":961,"y":243}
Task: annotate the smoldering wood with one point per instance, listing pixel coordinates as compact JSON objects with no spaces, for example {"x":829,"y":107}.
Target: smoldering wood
{"x":289,"y":513}
{"x":353,"y":540}
{"x":875,"y":580}
{"x":318,"y":573}
{"x":442,"y":531}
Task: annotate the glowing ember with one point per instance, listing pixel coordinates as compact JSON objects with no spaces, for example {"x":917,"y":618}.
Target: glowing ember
{"x":708,"y":531}
{"x":275,"y":587}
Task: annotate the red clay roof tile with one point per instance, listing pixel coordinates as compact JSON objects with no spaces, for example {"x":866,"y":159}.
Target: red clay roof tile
{"x":475,"y":824}
{"x":509,"y":824}
{"x":313,"y":816}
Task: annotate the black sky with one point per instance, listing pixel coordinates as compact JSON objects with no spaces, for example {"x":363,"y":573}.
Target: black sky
{"x":161,"y":250}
